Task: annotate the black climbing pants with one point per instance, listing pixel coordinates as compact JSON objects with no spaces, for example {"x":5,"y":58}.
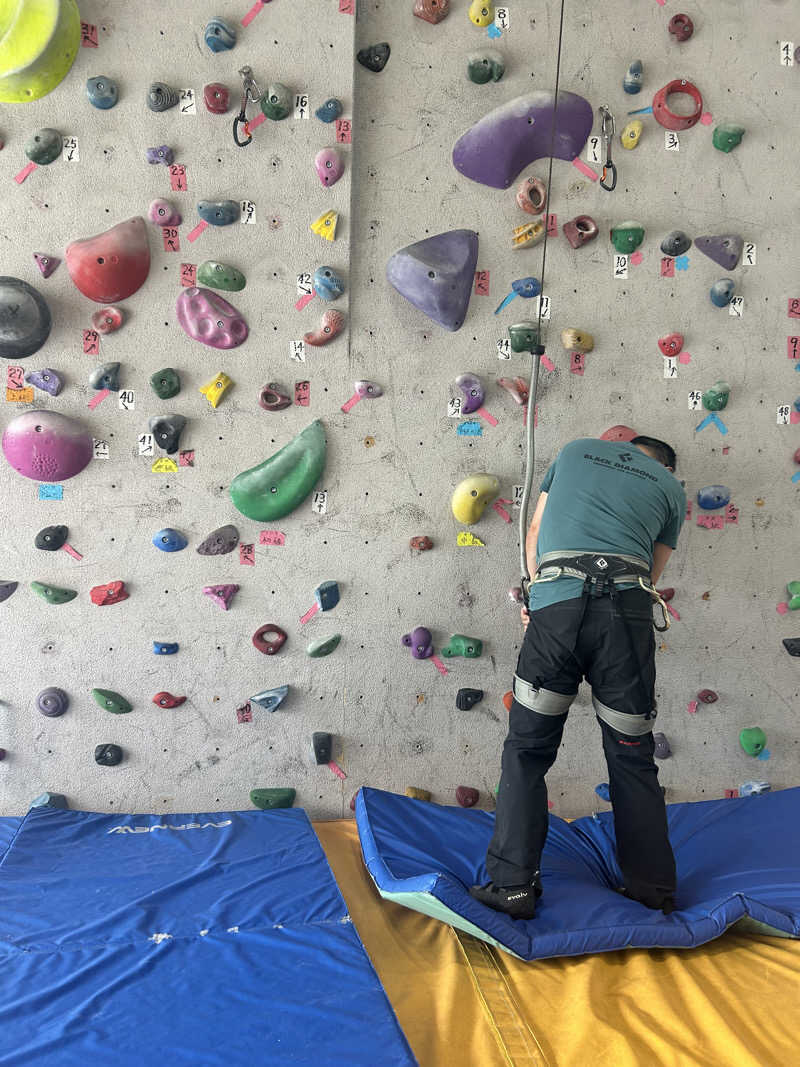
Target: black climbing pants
{"x":565,"y":642}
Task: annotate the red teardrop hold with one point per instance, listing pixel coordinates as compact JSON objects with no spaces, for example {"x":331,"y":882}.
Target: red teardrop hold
{"x":167,"y":700}
{"x":111,"y":593}
{"x":111,"y":266}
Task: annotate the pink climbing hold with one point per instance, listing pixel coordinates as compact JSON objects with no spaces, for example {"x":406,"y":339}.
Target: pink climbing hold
{"x":331,"y":326}
{"x":111,"y":266}
{"x":107,"y":320}
{"x":329,"y":166}
{"x":209,"y":318}
{"x":46,"y":264}
{"x":221,"y":594}
{"x":619,"y":433}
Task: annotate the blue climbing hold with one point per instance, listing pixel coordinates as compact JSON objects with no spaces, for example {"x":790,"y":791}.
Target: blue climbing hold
{"x":713,"y":496}
{"x":327,"y":283}
{"x":169,"y":540}
{"x":165,"y":648}
{"x":330,"y":110}
{"x":721,"y":292}
{"x":220,"y":35}
{"x":327,"y":595}
{"x":752,"y":789}
{"x":50,"y":800}
{"x":632,"y":82}
{"x":602,"y":792}
{"x":102,"y":92}
{"x":270,"y":698}
{"x":219,"y":212}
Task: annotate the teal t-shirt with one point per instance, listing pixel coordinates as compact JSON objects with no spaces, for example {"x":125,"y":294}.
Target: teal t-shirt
{"x":605,"y":496}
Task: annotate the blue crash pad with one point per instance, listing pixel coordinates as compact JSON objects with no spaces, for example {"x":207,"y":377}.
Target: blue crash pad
{"x":218,"y":939}
{"x":735,"y":859}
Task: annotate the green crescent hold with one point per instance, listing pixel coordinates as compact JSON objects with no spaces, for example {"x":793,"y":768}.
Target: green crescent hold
{"x":282,"y":482}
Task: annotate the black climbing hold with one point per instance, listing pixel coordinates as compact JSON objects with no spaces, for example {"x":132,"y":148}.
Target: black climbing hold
{"x":676,"y":243}
{"x":219,"y":542}
{"x":50,"y":800}
{"x":468,"y":698}
{"x":375,"y":57}
{"x":167,"y":430}
{"x":24,"y":319}
{"x":108,"y":755}
{"x":51,"y":538}
{"x":7,"y":589}
{"x":323,"y":746}
{"x":792,"y":645}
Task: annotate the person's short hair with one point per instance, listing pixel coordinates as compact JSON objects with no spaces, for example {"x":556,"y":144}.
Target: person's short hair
{"x":664,"y":453}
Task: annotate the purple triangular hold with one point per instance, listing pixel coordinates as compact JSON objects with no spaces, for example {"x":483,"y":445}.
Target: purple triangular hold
{"x":726,"y":249}
{"x":46,"y":264}
{"x":436,"y":275}
{"x":221,"y":594}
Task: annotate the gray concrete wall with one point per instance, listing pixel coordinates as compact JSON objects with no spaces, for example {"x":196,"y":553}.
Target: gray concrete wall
{"x":393,"y":462}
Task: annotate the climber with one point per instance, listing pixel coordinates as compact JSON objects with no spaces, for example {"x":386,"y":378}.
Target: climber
{"x":606,"y":522}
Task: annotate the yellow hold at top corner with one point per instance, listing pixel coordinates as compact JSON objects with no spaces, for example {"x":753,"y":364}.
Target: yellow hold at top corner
{"x":39,"y":40}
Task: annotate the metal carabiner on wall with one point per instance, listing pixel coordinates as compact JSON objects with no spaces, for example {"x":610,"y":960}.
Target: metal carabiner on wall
{"x":250,"y":93}
{"x":607,"y":131}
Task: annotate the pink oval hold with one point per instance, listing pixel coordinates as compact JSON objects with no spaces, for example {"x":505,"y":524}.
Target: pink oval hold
{"x":47,"y":446}
{"x":209,"y":318}
{"x":106,"y":320}
{"x":331,"y":326}
{"x":619,"y":433}
{"x":111,"y":266}
{"x":329,"y":166}
{"x":162,"y":213}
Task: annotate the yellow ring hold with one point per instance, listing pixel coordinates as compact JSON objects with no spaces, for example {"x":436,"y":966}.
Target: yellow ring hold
{"x":39,"y":40}
{"x":629,"y":138}
{"x":471,"y":496}
{"x":481,"y":13}
{"x":577,"y":340}
{"x":527,"y":234}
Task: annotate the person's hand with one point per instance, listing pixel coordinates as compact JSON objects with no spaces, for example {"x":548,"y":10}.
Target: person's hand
{"x":523,"y":612}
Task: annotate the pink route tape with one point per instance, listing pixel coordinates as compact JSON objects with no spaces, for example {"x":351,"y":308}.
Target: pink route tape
{"x":552,"y":225}
{"x":98,"y":398}
{"x":305,"y":299}
{"x":684,"y":358}
{"x":485,"y":415}
{"x":547,"y":363}
{"x":271,"y":537}
{"x":23,"y":174}
{"x":692,"y":708}
{"x":635,"y":259}
{"x":247,"y":555}
{"x":348,"y":405}
{"x":256,"y":122}
{"x":577,"y":363}
{"x":501,"y":511}
{"x":254,"y":10}
{"x":312,"y":611}
{"x":337,"y":770}
{"x":782,"y":609}
{"x":667,"y":267}
{"x":706,"y":118}
{"x":440,"y":667}
{"x":71,"y":552}
{"x":585,"y":169}
{"x":192,"y":235}
{"x":673,"y":612}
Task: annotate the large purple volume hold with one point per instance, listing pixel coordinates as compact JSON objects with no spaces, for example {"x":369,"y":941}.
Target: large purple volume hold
{"x":207,"y":317}
{"x":514,"y":135}
{"x":47,"y":446}
{"x":436,"y":275}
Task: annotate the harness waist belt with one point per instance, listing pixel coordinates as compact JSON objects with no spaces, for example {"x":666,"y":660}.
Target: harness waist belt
{"x":594,"y":565}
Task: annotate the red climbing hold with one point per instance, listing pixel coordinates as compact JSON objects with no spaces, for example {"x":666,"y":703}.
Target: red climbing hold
{"x":111,"y":593}
{"x":466,"y":796}
{"x":671,"y":345}
{"x":167,"y":700}
{"x":619,"y":433}
{"x":507,"y":698}
{"x":111,"y":266}
{"x":707,"y":696}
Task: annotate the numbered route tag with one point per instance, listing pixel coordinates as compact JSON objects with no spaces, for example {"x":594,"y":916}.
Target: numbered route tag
{"x":667,"y":267}
{"x":793,"y":347}
{"x":593,"y":150}
{"x":736,"y":306}
{"x":297,"y":351}
{"x":793,"y":310}
{"x":171,"y":240}
{"x":502,"y":18}
{"x":787,"y":53}
{"x":620,"y":266}
{"x":344,"y":131}
{"x":749,"y":257}
{"x":319,"y":502}
{"x":671,"y":367}
{"x":454,"y":407}
{"x":784,"y":414}
{"x":504,"y":348}
{"x":188,"y":103}
{"x":517,"y":494}
{"x":91,"y":342}
{"x":695,"y":400}
{"x":248,"y":213}
{"x":543,"y":306}
{"x":188,"y":274}
{"x":99,"y":448}
{"x":70,"y":153}
{"x":146,"y":443}
{"x":177,"y":177}
{"x":671,"y":142}
{"x":481,"y":283}
{"x":126,"y":399}
{"x":305,"y":285}
{"x":301,"y":108}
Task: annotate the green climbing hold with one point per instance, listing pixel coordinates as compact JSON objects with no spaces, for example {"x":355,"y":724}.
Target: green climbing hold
{"x":483,"y":67}
{"x":111,"y":701}
{"x":282,"y":482}
{"x":716,"y":398}
{"x":220,"y":276}
{"x":324,"y":646}
{"x":272,"y":798}
{"x":44,"y":146}
{"x":627,"y":237}
{"x":524,"y":336}
{"x":460,"y":645}
{"x":727,"y":135}
{"x":53,"y":594}
{"x":276,"y":103}
{"x":753,"y":740}
{"x":793,"y":589}
{"x":166,"y":383}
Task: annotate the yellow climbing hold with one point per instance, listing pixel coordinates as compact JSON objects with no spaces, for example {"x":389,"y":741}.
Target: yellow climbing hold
{"x":631,"y":134}
{"x":465,"y":538}
{"x":164,"y":465}
{"x":471,"y":496}
{"x":529,"y":234}
{"x":214,"y":390}
{"x":416,"y":793}
{"x":39,"y":40}
{"x":481,"y":13}
{"x":325,"y":225}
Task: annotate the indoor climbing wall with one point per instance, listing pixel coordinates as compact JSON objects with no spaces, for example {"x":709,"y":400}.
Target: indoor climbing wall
{"x":401,"y":438}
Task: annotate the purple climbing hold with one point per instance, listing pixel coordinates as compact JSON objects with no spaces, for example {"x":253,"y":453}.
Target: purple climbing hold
{"x":436,"y":275}
{"x":472,"y":388}
{"x":420,"y":642}
{"x":725,"y":249}
{"x":219,"y":542}
{"x":47,"y":446}
{"x":162,"y":154}
{"x":46,"y":264}
{"x":514,"y":135}
{"x":52,"y":702}
{"x":46,"y":379}
{"x":662,"y":749}
{"x":209,"y":318}
{"x":221,"y":594}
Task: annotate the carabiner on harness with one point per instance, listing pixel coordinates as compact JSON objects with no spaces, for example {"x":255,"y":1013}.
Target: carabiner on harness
{"x":251,"y":93}
{"x":607,"y":131}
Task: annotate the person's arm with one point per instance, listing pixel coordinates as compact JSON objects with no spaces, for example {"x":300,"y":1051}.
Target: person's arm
{"x":532,"y":536}
{"x":661,"y":554}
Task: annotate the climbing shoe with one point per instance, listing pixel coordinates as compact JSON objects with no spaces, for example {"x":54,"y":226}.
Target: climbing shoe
{"x":666,"y":904}
{"x":518,"y":901}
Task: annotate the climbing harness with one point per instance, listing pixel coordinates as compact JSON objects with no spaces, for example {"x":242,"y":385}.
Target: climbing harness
{"x":607,"y":131}
{"x":250,"y":93}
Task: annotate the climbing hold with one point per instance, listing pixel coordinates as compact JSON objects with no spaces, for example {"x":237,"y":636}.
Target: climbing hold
{"x":276,"y":103}
{"x":375,"y":57}
{"x":421,"y":543}
{"x":162,"y":213}
{"x":46,"y":263}
{"x":508,"y":699}
{"x":111,"y":701}
{"x":632,"y":82}
{"x":527,"y":288}
{"x":39,"y":44}
{"x":220,"y":35}
{"x":329,"y":166}
{"x":161,"y":97}
{"x":629,"y":138}
{"x":514,"y":135}
{"x":327,"y":283}
{"x":725,"y":249}
{"x":716,"y":398}
{"x":793,"y":589}
{"x":681,"y":27}
{"x":269,"y":647}
{"x":483,"y":67}
{"x":102,"y":91}
{"x":753,"y":789}
{"x":627,"y":236}
{"x":619,"y":433}
{"x":282,"y":482}
{"x":160,"y":154}
{"x":216,"y":98}
{"x":752,"y":739}
{"x":47,"y":446}
{"x":580,"y":230}
{"x":676,"y":243}
{"x":111,"y":266}
{"x":169,"y":540}
{"x":206,"y":317}
{"x":670,"y":120}
{"x":666,"y":594}
{"x":420,"y":642}
{"x":106,"y":376}
{"x":325,"y":225}
{"x":577,"y":340}
{"x":436,"y":275}
{"x":727,"y":136}
{"x":44,"y":146}
{"x":220,"y":276}
{"x":713,"y":496}
{"x":165,"y":383}
{"x":46,"y":379}
{"x":466,"y":699}
{"x":219,"y":542}
{"x":167,"y":700}
{"x":792,"y":645}
{"x":432,"y":11}
{"x":472,"y":388}
{"x":327,"y":595}
{"x":466,"y":796}
{"x":330,"y":110}
{"x":107,"y":320}
{"x":270,"y":699}
{"x":51,"y":538}
{"x":272,"y":399}
{"x":107,"y":755}
{"x":517,"y":387}
{"x":216,"y":389}
{"x":603,"y":792}
{"x":662,"y":747}
{"x":323,"y":647}
{"x":219,"y":212}
{"x":221,"y":595}
{"x":24,"y":319}
{"x":707,"y":696}
{"x":526,"y":235}
{"x":416,"y":793}
{"x":111,"y":593}
{"x":471,"y":496}
{"x":323,"y":747}
{"x":721,"y":292}
{"x":7,"y":589}
{"x":52,"y":702}
{"x":331,"y":326}
{"x":165,"y":648}
{"x":671,"y":345}
{"x":460,"y":645}
{"x":532,"y":195}
{"x":267,"y":799}
{"x":167,"y":430}
{"x":50,"y":800}
{"x":481,"y":13}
